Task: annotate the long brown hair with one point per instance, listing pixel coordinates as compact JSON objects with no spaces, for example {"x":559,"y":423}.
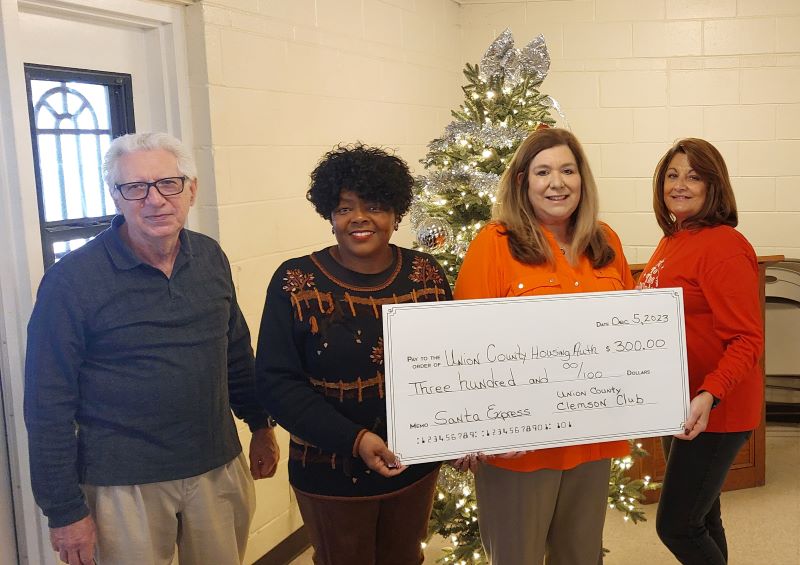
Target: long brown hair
{"x":514,"y":210}
{"x":719,"y":207}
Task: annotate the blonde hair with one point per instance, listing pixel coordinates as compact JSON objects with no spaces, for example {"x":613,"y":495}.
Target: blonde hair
{"x":515,"y":213}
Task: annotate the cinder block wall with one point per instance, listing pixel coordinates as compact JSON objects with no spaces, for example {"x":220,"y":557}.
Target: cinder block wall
{"x":633,"y":76}
{"x":276,"y":83}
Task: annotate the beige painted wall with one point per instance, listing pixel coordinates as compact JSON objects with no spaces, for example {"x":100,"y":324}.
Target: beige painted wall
{"x":276,"y":83}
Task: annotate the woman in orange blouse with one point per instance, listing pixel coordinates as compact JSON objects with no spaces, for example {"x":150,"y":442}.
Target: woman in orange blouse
{"x":545,"y":239}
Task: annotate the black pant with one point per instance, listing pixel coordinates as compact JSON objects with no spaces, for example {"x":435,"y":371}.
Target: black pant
{"x":689,"y":520}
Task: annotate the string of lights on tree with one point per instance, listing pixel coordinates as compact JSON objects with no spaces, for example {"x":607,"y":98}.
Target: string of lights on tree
{"x":452,"y":202}
{"x":502,"y":105}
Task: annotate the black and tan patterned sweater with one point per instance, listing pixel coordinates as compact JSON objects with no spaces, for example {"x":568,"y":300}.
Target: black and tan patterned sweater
{"x":319,"y":364}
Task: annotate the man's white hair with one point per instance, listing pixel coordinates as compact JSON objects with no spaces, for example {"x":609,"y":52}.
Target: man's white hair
{"x":151,"y":141}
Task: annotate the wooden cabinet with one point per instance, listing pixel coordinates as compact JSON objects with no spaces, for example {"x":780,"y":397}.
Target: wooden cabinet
{"x":749,"y":468}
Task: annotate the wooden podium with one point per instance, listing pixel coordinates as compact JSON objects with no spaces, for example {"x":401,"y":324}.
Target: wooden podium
{"x":749,"y":467}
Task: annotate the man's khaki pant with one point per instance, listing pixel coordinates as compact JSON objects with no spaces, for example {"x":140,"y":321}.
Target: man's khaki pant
{"x":207,"y":518}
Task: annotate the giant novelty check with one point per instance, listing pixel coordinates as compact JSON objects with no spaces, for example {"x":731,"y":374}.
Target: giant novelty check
{"x":514,"y":374}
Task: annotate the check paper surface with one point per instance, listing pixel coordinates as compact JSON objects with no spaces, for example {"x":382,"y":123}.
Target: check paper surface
{"x":514,"y":374}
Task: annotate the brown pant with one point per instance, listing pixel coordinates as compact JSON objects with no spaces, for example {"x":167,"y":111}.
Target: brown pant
{"x":206,"y":517}
{"x":385,"y":530}
{"x":524,"y":517}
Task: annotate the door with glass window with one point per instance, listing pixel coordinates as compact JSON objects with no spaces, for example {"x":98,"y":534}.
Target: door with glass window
{"x":85,"y":77}
{"x":77,"y":60}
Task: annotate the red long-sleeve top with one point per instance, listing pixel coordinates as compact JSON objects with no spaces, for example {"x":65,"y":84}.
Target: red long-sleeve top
{"x":490,"y":271}
{"x":718,"y":271}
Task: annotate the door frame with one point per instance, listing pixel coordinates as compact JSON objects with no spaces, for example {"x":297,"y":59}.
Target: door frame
{"x":21,"y":258}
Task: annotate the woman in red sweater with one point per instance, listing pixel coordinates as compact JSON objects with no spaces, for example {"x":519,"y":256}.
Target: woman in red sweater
{"x":715,"y":265}
{"x":545,"y":239}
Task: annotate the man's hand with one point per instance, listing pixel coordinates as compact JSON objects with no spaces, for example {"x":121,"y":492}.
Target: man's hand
{"x":699,"y":410}
{"x":75,"y":542}
{"x":264,"y":453}
{"x":377,"y":456}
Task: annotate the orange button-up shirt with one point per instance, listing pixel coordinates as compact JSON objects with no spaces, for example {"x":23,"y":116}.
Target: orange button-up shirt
{"x":490,"y":271}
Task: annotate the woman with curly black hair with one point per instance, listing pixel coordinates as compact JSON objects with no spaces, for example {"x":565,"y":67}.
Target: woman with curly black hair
{"x":319,"y":365}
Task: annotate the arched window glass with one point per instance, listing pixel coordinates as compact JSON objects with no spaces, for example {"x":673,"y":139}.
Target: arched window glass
{"x":74,"y":116}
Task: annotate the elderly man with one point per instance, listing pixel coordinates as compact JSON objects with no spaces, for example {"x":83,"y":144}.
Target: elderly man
{"x":137,"y":351}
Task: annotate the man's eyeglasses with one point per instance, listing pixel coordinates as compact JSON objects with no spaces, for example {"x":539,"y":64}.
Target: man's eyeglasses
{"x":169,"y":186}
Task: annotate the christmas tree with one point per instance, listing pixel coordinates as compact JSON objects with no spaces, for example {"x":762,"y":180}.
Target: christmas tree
{"x":502,"y":106}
